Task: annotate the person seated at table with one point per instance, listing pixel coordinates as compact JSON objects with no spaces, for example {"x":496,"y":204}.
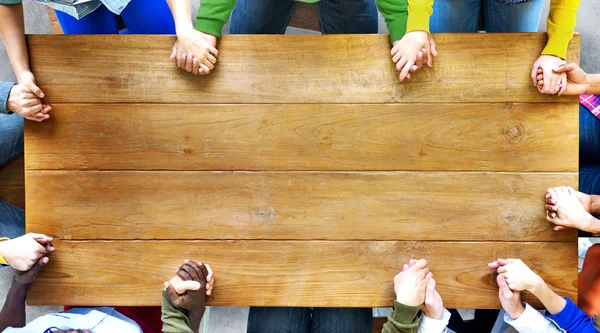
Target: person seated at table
{"x":562,"y":311}
{"x":565,"y":207}
{"x":415,"y":290}
{"x":178,"y":296}
{"x":16,"y":104}
{"x":408,"y":24}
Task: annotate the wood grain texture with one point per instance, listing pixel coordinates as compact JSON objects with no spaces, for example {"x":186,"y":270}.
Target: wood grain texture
{"x":305,"y":16}
{"x":293,"y":205}
{"x":288,"y":69}
{"x":56,"y":28}
{"x":12,"y":182}
{"x":467,"y":137}
{"x":316,"y":273}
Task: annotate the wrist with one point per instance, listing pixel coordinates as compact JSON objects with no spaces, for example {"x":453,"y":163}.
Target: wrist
{"x":537,"y":286}
{"x":517,"y":312}
{"x":18,"y":287}
{"x":182,"y":29}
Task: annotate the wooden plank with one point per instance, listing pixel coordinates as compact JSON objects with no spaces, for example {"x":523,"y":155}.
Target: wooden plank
{"x":278,"y":205}
{"x":12,"y":182}
{"x":56,"y":28}
{"x":300,"y":69}
{"x":305,"y":16}
{"x":467,"y":137}
{"x":316,"y":273}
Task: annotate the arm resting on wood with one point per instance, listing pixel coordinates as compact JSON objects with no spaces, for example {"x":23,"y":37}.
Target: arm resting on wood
{"x":213,"y":14}
{"x":560,"y":26}
{"x":13,"y":312}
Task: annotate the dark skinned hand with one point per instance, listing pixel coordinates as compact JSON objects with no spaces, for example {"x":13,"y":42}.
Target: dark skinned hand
{"x":26,"y":278}
{"x":191,"y":300}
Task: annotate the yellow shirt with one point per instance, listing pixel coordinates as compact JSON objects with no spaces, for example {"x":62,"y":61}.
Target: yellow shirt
{"x":2,"y":260}
{"x":561,"y":26}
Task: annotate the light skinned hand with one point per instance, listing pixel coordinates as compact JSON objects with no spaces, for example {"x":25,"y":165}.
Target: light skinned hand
{"x":568,"y":210}
{"x":410,"y":285}
{"x":27,"y":79}
{"x":26,"y":104}
{"x":510,"y":300}
{"x":406,"y":52}
{"x":195,"y":52}
{"x":518,"y":276}
{"x":23,"y":252}
{"x":181,"y":286}
{"x":434,"y":306}
{"x":577,"y":80}
{"x":552,"y":82}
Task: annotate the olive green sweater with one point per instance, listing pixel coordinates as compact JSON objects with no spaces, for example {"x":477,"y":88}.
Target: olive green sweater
{"x":403,"y":320}
{"x":175,"y":320}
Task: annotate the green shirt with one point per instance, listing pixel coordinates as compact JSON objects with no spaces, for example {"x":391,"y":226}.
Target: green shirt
{"x":213,"y":14}
{"x":175,"y":320}
{"x":403,"y":320}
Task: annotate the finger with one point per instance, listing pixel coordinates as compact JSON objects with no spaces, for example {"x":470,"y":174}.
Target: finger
{"x":405,"y":267}
{"x":39,"y":266}
{"x":420,"y":264}
{"x":406,"y":69}
{"x":560,"y":228}
{"x":37,"y":108}
{"x":429,"y":276}
{"x":213,"y":50}
{"x":208,"y":64}
{"x":203,"y":269}
{"x":540,"y":71}
{"x":504,"y":289}
{"x":400,"y":64}
{"x":211,"y":58}
{"x":428,"y":56}
{"x":173,"y":53}
{"x":199,"y":272}
{"x":196,"y":66}
{"x":493,"y":265}
{"x":501,"y":269}
{"x":433,"y":46}
{"x":35,"y":89}
{"x":183,"y":274}
{"x":178,"y":59}
{"x":205,"y":69}
{"x":554,"y":193}
{"x":182,"y":286}
{"x":430,"y":290}
{"x":46,"y":108}
{"x":547,"y":83}
{"x":540,"y":77}
{"x":419,"y":62}
{"x":189,"y":62}
{"x":563,"y":87}
{"x":50,"y":247}
{"x":190,"y":270}
{"x":564,"y":68}
{"x":551,"y":208}
{"x":534,"y":71}
{"x":41,"y":238}
{"x":210,"y":275}
{"x":33,"y":118}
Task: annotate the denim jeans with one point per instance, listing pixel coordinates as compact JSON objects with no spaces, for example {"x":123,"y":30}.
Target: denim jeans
{"x":272,"y":16}
{"x":309,"y":320}
{"x":140,"y":16}
{"x":589,"y":154}
{"x":12,"y":219}
{"x":498,"y":15}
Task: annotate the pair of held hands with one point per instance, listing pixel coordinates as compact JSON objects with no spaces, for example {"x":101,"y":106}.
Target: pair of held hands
{"x":568,"y":208}
{"x":415,"y":286}
{"x":190,"y":286}
{"x":513,"y":277}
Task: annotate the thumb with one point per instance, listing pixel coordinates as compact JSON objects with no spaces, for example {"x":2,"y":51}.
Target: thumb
{"x":173,"y":53}
{"x":35,"y":89}
{"x":171,"y":292}
{"x":504,"y":289}
{"x":429,"y":55}
{"x":39,"y":265}
{"x":433,"y":46}
{"x":565,"y":68}
{"x":430,"y":290}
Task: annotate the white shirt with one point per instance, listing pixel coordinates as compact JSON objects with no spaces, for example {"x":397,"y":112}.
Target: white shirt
{"x":430,"y":325}
{"x":532,"y":321}
{"x":99,"y":320}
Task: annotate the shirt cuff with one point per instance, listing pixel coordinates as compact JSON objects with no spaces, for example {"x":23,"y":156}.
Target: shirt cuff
{"x":2,"y":260}
{"x":418,"y":18}
{"x":5,"y":88}
{"x":557,"y":45}
{"x":430,"y":325}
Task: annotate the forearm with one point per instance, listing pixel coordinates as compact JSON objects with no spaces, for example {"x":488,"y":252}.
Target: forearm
{"x":213,"y":14}
{"x":551,"y":301}
{"x":560,"y":26}
{"x":395,"y":13}
{"x":13,"y":312}
{"x":181,"y":14}
{"x":594,"y":89}
{"x":12,"y":29}
{"x":195,"y":319}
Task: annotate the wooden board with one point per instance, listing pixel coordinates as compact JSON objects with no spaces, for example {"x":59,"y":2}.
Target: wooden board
{"x":465,"y":137}
{"x":315,"y":273}
{"x":12,"y":182}
{"x":288,"y":69}
{"x":293,"y":205}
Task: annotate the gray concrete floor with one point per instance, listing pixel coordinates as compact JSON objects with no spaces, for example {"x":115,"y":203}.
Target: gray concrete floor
{"x":233,"y":319}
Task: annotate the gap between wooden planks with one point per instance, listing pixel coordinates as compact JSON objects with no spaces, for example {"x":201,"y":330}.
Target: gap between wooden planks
{"x":289,"y":69}
{"x":420,"y":137}
{"x":293,"y":205}
{"x":273,"y":273}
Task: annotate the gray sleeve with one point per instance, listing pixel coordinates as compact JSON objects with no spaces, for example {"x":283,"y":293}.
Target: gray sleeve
{"x":5,"y":88}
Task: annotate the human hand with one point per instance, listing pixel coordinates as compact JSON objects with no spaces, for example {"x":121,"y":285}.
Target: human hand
{"x":518,"y":276}
{"x":180,"y":288}
{"x":195,"y":51}
{"x":410,"y":52}
{"x":23,"y":252}
{"x":577,"y":80}
{"x":26,"y":278}
{"x":567,"y":209}
{"x":193,"y":298}
{"x":27,"y":79}
{"x":510,"y":300}
{"x":552,"y":82}
{"x":26,"y":104}
{"x":410,"y":284}
{"x":434,"y":306}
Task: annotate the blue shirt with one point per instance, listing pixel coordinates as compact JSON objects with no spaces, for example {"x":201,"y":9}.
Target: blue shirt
{"x":98,"y":320}
{"x":78,"y":8}
{"x":5,"y":88}
{"x":573,"y":320}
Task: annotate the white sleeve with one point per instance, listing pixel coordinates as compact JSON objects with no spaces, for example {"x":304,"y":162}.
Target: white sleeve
{"x":532,"y":321}
{"x":430,"y":325}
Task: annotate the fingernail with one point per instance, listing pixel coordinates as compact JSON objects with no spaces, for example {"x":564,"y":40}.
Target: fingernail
{"x":555,"y":229}
{"x":186,"y":261}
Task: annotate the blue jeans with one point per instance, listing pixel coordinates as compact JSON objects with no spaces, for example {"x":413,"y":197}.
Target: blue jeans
{"x":589,"y":154}
{"x":309,"y":320}
{"x":140,"y":16}
{"x":498,"y":15}
{"x":12,"y":219}
{"x":272,"y":16}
